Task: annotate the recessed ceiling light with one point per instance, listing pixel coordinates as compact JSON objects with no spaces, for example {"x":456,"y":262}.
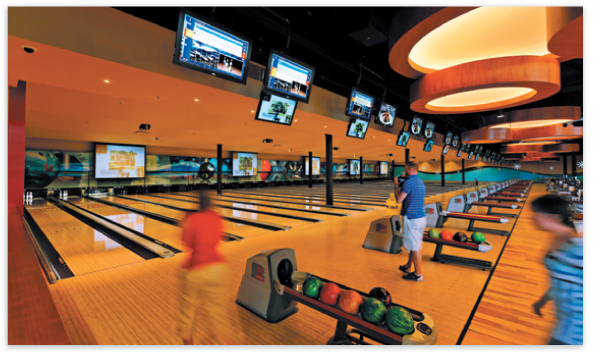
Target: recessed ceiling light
{"x":325,"y":126}
{"x":295,"y":120}
{"x":196,"y":99}
{"x":106,"y":81}
{"x":251,"y":111}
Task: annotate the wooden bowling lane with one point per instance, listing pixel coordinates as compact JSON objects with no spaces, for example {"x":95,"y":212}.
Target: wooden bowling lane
{"x":338,"y":205}
{"x":83,"y":249}
{"x":312,"y":198}
{"x":505,"y":314}
{"x":166,"y":233}
{"x":245,"y":231}
{"x":240,"y":205}
{"x":248,"y":215}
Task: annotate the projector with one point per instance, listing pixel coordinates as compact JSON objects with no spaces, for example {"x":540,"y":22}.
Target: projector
{"x":144,"y":127}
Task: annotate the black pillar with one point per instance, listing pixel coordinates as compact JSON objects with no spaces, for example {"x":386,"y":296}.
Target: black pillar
{"x":219,"y":169}
{"x":310,"y":171}
{"x":406,"y":158}
{"x":393,"y":166}
{"x":463,"y":170}
{"x":329,"y":153}
{"x":443,"y":173}
{"x":574,"y":165}
{"x":565,"y":165}
{"x":361,"y":168}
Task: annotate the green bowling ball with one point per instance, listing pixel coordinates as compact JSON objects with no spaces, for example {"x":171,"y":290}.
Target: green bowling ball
{"x":434,"y":233}
{"x":478,"y":237}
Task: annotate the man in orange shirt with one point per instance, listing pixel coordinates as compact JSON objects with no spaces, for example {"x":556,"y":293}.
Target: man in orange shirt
{"x":202,"y":276}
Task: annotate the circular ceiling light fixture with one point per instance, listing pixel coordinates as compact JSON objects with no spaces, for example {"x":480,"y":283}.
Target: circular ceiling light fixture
{"x":535,"y":117}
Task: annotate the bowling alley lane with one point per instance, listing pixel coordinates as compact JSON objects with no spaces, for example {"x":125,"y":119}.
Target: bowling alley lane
{"x":319,"y":203}
{"x":319,"y":197}
{"x":166,"y":233}
{"x":249,"y":207}
{"x":244,"y":231}
{"x":248,"y":215}
{"x":84,"y":249}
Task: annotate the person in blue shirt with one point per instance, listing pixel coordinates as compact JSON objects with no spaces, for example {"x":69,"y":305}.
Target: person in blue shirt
{"x":412,"y":198}
{"x":564,"y":262}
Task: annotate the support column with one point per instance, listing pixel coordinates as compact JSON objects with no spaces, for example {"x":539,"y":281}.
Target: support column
{"x":574,"y":165}
{"x":463,"y":171}
{"x":310,"y":170}
{"x":219,"y":169}
{"x":406,"y":157}
{"x":393,"y":166}
{"x":443,"y":172}
{"x":361,"y":170}
{"x":329,"y":155}
{"x":565,"y":165}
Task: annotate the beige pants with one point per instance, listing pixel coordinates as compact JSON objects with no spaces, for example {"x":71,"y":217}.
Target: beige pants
{"x":203,"y":293}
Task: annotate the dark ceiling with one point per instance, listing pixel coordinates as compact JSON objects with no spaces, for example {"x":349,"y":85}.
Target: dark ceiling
{"x":320,"y":36}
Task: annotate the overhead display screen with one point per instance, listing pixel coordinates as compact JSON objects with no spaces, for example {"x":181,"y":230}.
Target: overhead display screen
{"x":205,"y":46}
{"x":354,"y":167}
{"x":383,"y":168}
{"x":360,"y":104}
{"x":244,"y":164}
{"x":357,"y":128}
{"x":289,"y":77}
{"x":120,"y":161}
{"x":403,"y":139}
{"x":386,"y":115}
{"x":448,"y":138}
{"x":459,"y":153}
{"x":470,"y":155}
{"x":445,"y":149}
{"x":417,"y":125}
{"x":316,"y":165}
{"x":428,"y":146}
{"x":455,"y":141}
{"x":275,"y":109}
{"x":429,"y":127}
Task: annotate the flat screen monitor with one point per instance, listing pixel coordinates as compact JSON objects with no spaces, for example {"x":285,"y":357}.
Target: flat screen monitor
{"x":383,"y":168}
{"x":275,"y":109}
{"x":448,"y":139}
{"x":417,"y":126}
{"x":455,"y":141}
{"x":316,"y":166}
{"x":203,"y":45}
{"x":120,"y":161}
{"x":428,"y":145}
{"x":459,"y":153}
{"x":357,"y":128}
{"x":360,"y":104}
{"x":403,"y":138}
{"x":470,"y":155}
{"x":244,"y":164}
{"x":354,"y":167}
{"x":289,"y":77}
{"x":429,"y":127}
{"x":445,"y":149}
{"x":477,"y":157}
{"x":387,"y":114}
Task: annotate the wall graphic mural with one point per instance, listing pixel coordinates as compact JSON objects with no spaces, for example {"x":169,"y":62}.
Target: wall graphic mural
{"x":54,"y":170}
{"x":486,"y":174}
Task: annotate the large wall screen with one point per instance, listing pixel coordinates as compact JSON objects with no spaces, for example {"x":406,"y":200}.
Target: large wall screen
{"x":120,"y":161}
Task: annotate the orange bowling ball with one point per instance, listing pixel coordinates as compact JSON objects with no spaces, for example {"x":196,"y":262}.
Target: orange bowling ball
{"x":446,"y":235}
{"x":265,"y":169}
{"x":330,"y":293}
{"x":350,"y":301}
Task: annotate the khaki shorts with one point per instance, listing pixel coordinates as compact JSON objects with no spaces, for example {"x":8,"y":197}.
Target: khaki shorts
{"x":413,"y":233}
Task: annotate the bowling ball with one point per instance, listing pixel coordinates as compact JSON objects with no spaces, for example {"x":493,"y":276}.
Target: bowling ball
{"x":350,"y":301}
{"x":206,"y":171}
{"x":460,"y":237}
{"x":399,"y":320}
{"x":312,"y":287}
{"x":265,"y":169}
{"x":330,"y":293}
{"x":373,"y":310}
{"x":446,"y":235}
{"x":434,"y":233}
{"x":382,"y":295}
{"x":478,"y":237}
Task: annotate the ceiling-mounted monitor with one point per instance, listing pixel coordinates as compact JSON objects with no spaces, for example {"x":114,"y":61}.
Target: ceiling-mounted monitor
{"x":429,"y":128}
{"x":403,"y":138}
{"x":357,"y":128}
{"x":448,"y":139}
{"x":275,"y":109}
{"x":455,"y":141}
{"x":459,"y":153}
{"x":383,"y":168}
{"x":417,"y":126}
{"x":204,"y":45}
{"x":244,"y":164}
{"x":354,"y":167}
{"x":470,"y":155}
{"x":316,"y":165}
{"x":360,"y":104}
{"x":445,"y":149}
{"x":119,"y":161}
{"x":428,"y":145}
{"x":387,"y":114}
{"x":289,"y":77}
